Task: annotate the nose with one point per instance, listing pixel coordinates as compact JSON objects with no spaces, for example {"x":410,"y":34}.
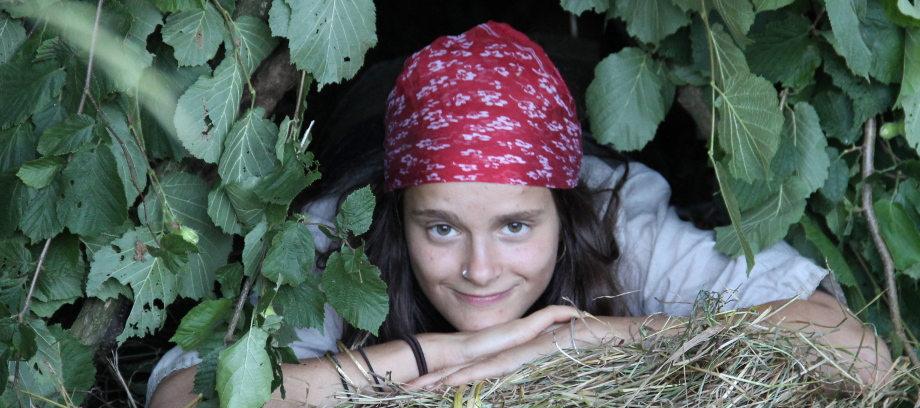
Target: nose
{"x":482,"y":264}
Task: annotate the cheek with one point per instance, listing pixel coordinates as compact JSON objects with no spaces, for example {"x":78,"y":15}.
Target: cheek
{"x":429,"y":262}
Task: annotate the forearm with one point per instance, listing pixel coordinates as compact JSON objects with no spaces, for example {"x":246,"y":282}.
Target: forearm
{"x":315,"y":382}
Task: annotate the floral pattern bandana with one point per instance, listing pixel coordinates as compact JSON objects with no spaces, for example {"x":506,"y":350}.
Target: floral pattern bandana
{"x":487,"y":105}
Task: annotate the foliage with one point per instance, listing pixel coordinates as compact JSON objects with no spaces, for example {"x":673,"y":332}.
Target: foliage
{"x":140,"y":185}
{"x":788,"y":87}
{"x":130,"y":170}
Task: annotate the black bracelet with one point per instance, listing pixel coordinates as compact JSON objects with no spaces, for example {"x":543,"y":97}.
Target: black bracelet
{"x":338,"y":367}
{"x":370,"y":368}
{"x":419,"y":354}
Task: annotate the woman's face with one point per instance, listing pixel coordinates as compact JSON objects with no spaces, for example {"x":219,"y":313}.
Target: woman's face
{"x":505,"y":237}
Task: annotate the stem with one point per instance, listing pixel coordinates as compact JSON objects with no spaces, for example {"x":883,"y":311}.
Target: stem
{"x":868,"y":167}
{"x":38,"y":269}
{"x":297,"y":118}
{"x":89,"y":63}
{"x":244,"y":294}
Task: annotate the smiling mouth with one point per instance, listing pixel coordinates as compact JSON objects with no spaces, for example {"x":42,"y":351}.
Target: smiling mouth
{"x":483,"y":300}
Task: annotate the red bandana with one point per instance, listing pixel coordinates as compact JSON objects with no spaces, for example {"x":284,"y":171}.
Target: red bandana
{"x":486,"y":105}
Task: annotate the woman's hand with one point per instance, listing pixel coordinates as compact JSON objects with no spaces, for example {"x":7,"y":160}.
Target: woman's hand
{"x":494,"y":351}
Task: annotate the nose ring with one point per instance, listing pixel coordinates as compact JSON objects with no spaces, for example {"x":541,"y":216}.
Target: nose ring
{"x":465,"y":274}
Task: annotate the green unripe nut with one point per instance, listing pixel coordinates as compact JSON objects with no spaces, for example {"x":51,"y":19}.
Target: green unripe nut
{"x":189,"y":235}
{"x":891,"y":129}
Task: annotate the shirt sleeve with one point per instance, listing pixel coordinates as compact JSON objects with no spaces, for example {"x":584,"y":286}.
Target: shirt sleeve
{"x":665,"y":262}
{"x":310,"y":342}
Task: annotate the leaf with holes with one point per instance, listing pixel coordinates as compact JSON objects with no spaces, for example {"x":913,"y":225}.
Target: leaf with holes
{"x":195,"y":34}
{"x":94,"y":199}
{"x":207,"y":110}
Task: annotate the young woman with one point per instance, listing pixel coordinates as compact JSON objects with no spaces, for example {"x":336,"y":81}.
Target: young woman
{"x":492,"y":225}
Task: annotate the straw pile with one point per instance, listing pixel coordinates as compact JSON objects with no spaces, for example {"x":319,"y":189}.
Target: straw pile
{"x":718,"y":359}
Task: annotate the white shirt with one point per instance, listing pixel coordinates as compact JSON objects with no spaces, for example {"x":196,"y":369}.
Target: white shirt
{"x":664,"y":263}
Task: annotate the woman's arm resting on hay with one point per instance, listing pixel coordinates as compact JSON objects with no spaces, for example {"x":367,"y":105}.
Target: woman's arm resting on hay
{"x":317,"y":382}
{"x":820,"y":314}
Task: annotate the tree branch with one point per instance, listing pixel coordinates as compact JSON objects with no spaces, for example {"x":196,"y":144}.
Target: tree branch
{"x":868,"y":167}
{"x":38,"y":269}
{"x":244,"y":294}
{"x":89,"y":62}
{"x":691,"y":99}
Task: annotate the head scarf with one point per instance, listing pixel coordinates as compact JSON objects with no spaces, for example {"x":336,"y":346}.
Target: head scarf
{"x":486,"y":105}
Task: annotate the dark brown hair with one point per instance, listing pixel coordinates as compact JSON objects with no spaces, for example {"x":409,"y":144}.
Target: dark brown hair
{"x":585,"y":275}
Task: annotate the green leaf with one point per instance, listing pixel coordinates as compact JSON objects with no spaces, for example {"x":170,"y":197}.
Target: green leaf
{"x":910,"y":83}
{"x":784,"y":52}
{"x":132,"y":165}
{"x":577,"y":7}
{"x":253,"y":248}
{"x":206,"y":374}
{"x":94,"y":198}
{"x":730,"y":60}
{"x":749,"y":126}
{"x":61,"y":365}
{"x":79,"y":372}
{"x":834,"y":258}
{"x":353,"y":287}
{"x":221,"y":210}
{"x":844,"y":16}
{"x":279,"y":18}
{"x":39,"y":173}
{"x":738,"y":16}
{"x":24,"y":340}
{"x":357,"y":212}
{"x":802,"y":148}
{"x":249,"y":148}
{"x":912,"y":120}
{"x":186,"y":198}
{"x":129,"y":260}
{"x":178,"y":5}
{"x":766,"y":5}
{"x":230,"y":277}
{"x":207,"y":110}
{"x":626,"y":101}
{"x":329,"y":38}
{"x":12,"y":35}
{"x":31,"y":85}
{"x":246,"y":203}
{"x":195,"y":34}
{"x":900,"y":233}
{"x":67,"y":136}
{"x":835,"y":110}
{"x":256,"y":41}
{"x":838,"y":177}
{"x":199,"y":322}
{"x":768,"y":222}
{"x":886,"y":40}
{"x":17,"y":146}
{"x":650,"y":20}
{"x":15,"y":203}
{"x":303,"y":305}
{"x":296,"y":174}
{"x":244,"y":372}
{"x":291,"y":256}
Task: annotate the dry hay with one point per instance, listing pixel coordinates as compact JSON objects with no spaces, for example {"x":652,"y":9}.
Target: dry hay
{"x":728,"y":359}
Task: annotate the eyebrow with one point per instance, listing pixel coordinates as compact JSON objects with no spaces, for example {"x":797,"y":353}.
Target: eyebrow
{"x":502,"y":219}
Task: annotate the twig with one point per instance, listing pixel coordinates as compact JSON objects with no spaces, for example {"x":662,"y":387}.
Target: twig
{"x":89,"y":62}
{"x":113,"y":365}
{"x":297,"y":118}
{"x":38,"y":269}
{"x":868,"y":167}
{"x":244,"y":294}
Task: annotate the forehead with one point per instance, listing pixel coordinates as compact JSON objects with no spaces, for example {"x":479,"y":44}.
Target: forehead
{"x":485,"y":198}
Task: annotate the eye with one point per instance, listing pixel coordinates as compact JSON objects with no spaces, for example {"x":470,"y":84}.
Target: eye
{"x":442,"y":230}
{"x":515,"y":227}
